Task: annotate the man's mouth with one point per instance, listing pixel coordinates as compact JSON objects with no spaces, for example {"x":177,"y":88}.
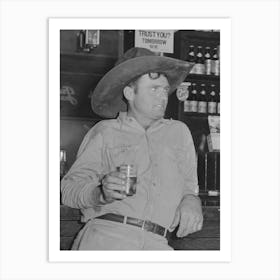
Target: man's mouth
{"x":159,"y":106}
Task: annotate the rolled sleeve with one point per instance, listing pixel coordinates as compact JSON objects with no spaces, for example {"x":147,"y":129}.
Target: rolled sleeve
{"x":189,"y":163}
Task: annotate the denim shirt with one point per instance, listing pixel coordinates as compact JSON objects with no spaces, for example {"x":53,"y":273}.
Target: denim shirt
{"x":164,"y":157}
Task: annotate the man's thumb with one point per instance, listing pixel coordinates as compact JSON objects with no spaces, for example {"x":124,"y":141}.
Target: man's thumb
{"x":175,"y":221}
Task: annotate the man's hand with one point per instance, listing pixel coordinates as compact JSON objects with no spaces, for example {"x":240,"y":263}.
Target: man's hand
{"x":113,"y":187}
{"x":189,"y":215}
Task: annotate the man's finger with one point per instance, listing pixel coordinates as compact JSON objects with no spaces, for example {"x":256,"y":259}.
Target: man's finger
{"x":175,"y":221}
{"x":184,"y":224}
{"x":114,"y":187}
{"x":114,"y":180}
{"x":115,"y":195}
{"x":192,"y":227}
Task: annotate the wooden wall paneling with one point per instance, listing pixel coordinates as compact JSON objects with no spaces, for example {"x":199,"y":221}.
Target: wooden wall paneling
{"x":68,"y":42}
{"x":129,"y":38}
{"x":75,"y":94}
{"x":66,"y":242}
{"x":70,"y":228}
{"x":69,"y":214}
{"x":72,"y":132}
{"x":120,"y":43}
{"x":86,"y":63}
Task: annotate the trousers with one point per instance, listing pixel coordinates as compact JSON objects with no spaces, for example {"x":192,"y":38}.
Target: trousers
{"x":100,"y":234}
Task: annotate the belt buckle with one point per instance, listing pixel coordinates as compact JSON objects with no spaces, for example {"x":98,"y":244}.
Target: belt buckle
{"x":149,"y":226}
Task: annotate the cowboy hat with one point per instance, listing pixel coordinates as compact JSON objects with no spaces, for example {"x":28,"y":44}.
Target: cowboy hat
{"x":107,"y":98}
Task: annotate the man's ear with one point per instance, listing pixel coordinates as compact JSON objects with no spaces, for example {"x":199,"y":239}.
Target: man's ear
{"x":128,"y":93}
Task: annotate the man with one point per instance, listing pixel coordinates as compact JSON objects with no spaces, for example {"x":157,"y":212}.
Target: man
{"x":161,"y":150}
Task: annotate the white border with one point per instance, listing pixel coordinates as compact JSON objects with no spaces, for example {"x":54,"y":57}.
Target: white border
{"x":55,"y":255}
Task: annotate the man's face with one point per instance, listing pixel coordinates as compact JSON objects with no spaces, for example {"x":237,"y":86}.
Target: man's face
{"x":150,"y":96}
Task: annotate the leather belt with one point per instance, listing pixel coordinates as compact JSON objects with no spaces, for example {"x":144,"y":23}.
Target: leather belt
{"x":143,"y":224}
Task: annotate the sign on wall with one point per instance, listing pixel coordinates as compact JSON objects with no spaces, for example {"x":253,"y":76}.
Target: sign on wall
{"x":155,"y":40}
{"x":75,"y":95}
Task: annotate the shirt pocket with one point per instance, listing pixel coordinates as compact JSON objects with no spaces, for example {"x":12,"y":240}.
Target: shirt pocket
{"x":124,"y":154}
{"x":171,"y":173}
{"x":174,"y":153}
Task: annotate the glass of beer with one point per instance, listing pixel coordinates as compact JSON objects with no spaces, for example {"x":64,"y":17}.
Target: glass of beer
{"x":131,"y":178}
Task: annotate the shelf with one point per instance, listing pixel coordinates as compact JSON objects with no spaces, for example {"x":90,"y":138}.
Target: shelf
{"x":86,"y":54}
{"x":197,"y":77}
{"x":198,"y":115}
{"x":200,"y":35}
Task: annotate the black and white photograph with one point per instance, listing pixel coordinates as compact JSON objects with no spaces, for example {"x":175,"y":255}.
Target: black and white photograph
{"x":140,"y":158}
{"x":139,"y":139}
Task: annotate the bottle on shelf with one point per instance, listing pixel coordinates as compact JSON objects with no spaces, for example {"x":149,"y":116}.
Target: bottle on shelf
{"x":202,"y":100}
{"x":187,"y":105}
{"x":199,"y":63}
{"x":207,"y":60}
{"x":212,"y":100}
{"x":218,"y":103}
{"x":215,"y":67}
{"x":193,"y":99}
{"x":191,"y":56}
{"x":63,"y":164}
{"x":80,"y":40}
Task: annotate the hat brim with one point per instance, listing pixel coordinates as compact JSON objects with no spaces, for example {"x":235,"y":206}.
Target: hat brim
{"x":107,"y":98}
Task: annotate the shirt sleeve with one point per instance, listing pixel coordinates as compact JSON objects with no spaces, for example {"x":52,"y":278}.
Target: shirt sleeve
{"x":189,"y":162}
{"x":80,"y":183}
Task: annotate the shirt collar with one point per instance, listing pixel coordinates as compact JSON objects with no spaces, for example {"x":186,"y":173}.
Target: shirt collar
{"x":124,"y":118}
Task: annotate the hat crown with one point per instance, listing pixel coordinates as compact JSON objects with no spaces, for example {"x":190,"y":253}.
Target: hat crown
{"x":134,"y":52}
